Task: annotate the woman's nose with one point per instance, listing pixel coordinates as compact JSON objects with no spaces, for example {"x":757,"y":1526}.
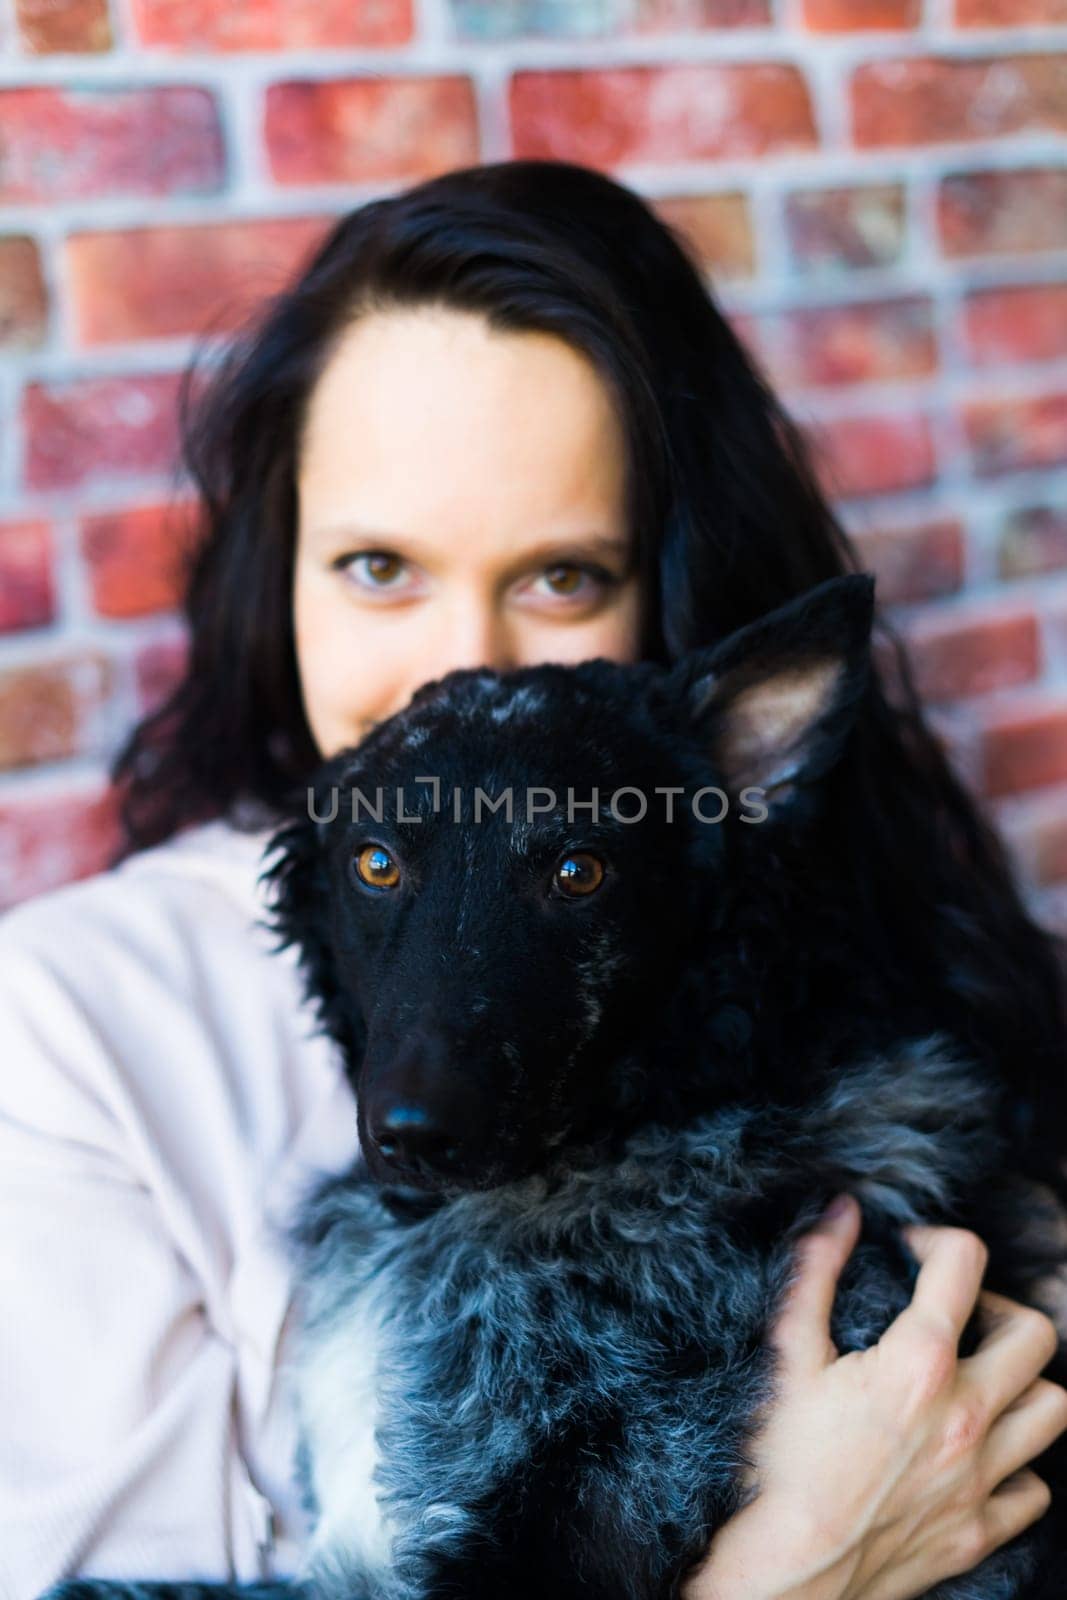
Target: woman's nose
{"x":475,"y":635}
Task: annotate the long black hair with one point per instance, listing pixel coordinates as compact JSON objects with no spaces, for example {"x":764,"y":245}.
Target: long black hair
{"x":728,"y":522}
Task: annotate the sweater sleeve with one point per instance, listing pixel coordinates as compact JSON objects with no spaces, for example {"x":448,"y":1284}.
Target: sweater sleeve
{"x":118,"y":1455}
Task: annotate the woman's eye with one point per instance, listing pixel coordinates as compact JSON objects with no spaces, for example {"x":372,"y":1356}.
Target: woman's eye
{"x":577,"y":579}
{"x":378,"y":569}
{"x":578,"y":874}
{"x":375,"y":867}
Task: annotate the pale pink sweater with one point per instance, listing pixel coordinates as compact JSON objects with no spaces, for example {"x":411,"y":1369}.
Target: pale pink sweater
{"x":164,"y":1099}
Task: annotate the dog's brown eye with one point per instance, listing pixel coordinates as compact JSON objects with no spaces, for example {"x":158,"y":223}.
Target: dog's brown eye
{"x":377,"y":868}
{"x":579,"y":874}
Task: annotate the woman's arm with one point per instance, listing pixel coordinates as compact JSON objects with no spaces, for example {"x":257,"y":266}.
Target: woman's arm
{"x":118,"y":1453}
{"x":884,"y":1471}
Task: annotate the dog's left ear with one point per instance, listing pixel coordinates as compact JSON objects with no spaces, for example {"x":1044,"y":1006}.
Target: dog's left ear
{"x":296,"y":900}
{"x":777,"y":699}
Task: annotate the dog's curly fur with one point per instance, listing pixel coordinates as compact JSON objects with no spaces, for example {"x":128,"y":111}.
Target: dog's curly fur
{"x":572,"y":1362}
{"x":541,"y":1372}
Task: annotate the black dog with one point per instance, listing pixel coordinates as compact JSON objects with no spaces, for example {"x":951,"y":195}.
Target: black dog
{"x":609,"y":1056}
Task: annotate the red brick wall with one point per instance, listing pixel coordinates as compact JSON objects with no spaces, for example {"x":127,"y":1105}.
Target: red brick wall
{"x":878,"y":186}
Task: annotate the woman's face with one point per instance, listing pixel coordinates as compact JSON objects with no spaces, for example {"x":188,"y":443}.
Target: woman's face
{"x":460,"y":505}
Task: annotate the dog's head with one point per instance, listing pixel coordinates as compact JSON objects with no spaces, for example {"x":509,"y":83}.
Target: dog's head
{"x":494,"y":894}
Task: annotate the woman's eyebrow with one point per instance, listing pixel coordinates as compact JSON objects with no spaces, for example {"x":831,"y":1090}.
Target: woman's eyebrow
{"x":562,"y":545}
{"x":558,"y":547}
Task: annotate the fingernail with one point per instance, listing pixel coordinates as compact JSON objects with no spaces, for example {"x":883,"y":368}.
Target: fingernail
{"x":836,"y":1208}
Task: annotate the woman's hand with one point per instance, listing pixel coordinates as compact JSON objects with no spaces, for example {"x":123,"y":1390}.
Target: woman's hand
{"x":882,"y":1472}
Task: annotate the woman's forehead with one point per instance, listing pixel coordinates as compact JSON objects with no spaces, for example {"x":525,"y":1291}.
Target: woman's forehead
{"x":427,"y":423}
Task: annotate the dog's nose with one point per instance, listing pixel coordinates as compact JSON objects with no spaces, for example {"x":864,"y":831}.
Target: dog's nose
{"x":408,"y":1136}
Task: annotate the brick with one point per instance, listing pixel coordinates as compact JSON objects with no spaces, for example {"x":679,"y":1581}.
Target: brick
{"x":674,"y":113}
{"x":845,"y":228}
{"x":27,"y":585}
{"x":159,"y":667}
{"x":1048,"y":843}
{"x":1009,"y":13}
{"x":153,"y":283}
{"x":1016,"y":324}
{"x":958,"y":731}
{"x":1032,"y":540}
{"x":1003,"y":213}
{"x":853,"y":16}
{"x":1034,"y":826}
{"x":98,"y":427}
{"x":136,"y":558}
{"x":753,"y":334}
{"x":515,"y":19}
{"x":969,"y":652}
{"x":874,"y":454}
{"x":1024,"y":744}
{"x":46,"y":841}
{"x":51,"y":710}
{"x":916,"y":563}
{"x":1007,"y":435}
{"x":718,"y":229}
{"x":361,"y":130}
{"x":931,"y":101}
{"x":23,"y":298}
{"x":653,"y":15}
{"x":179,"y":25}
{"x":889,"y":339}
{"x":79,"y":144}
{"x":75,"y":26}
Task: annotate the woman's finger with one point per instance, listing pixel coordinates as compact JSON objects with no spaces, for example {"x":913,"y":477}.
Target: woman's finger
{"x":1018,"y":1502}
{"x":802,"y":1328}
{"x":1037,"y":1418}
{"x":1019,"y":1344}
{"x":952,"y":1261}
{"x":1015,"y":1505}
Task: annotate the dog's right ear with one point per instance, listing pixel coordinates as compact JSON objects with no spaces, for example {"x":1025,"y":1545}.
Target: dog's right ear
{"x":776,"y":700}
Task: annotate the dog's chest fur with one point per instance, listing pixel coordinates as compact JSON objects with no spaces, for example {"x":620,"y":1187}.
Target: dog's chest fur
{"x":340,"y":1414}
{"x":610,"y":1316}
{"x":475,"y":1338}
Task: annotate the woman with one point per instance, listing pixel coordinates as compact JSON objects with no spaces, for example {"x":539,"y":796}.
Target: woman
{"x":497,"y":421}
